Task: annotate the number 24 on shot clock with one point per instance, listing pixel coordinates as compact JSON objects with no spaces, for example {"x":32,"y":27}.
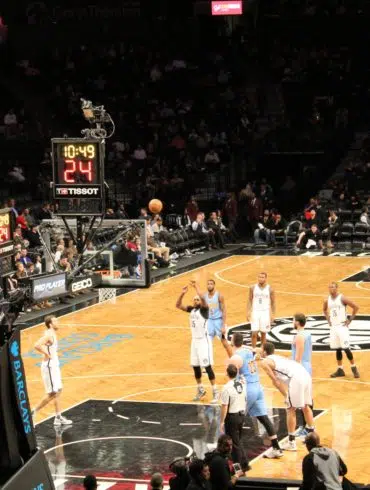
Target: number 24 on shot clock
{"x":77,"y":167}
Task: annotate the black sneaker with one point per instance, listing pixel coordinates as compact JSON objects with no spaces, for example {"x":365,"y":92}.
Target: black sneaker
{"x":356,"y":374}
{"x":339,"y":373}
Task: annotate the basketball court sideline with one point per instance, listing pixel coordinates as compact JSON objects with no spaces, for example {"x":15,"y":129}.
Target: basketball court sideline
{"x":136,"y":350}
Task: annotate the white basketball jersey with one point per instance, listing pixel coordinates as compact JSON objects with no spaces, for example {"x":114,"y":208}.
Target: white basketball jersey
{"x":261,"y":298}
{"x":198,"y":324}
{"x":337,"y":310}
{"x":53,"y":350}
{"x":285,"y":368}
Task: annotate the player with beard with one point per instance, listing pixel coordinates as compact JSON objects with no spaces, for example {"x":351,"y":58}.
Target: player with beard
{"x":216,"y":310}
{"x":201,"y":354}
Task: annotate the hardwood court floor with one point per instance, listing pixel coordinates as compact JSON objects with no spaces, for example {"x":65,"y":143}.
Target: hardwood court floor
{"x":138,"y":349}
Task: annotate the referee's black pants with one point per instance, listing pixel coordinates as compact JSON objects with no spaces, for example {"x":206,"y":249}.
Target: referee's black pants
{"x":233,"y":428}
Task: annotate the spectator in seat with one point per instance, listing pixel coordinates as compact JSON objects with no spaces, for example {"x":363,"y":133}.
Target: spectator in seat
{"x":342,"y":202}
{"x":157,"y":224}
{"x":139,"y":153}
{"x":213,"y":224}
{"x":21,"y":219}
{"x":18,"y":236}
{"x":278,"y":228}
{"x":192,"y":209}
{"x":332,"y":228}
{"x":231,"y":211}
{"x":156,"y":482}
{"x":44,"y":212}
{"x":33,"y":237}
{"x":311,"y":220}
{"x":211,"y":159}
{"x":38,"y":264}
{"x":21,"y":271}
{"x":64,"y":264}
{"x":25,"y":259}
{"x":266,"y":196}
{"x":365,"y":218}
{"x":230,"y":234}
{"x":262,"y":234}
{"x":199,"y":476}
{"x":254,"y":211}
{"x":322,"y":467}
{"x":11,"y":204}
{"x":59,"y":252}
{"x":311,"y":238}
{"x":143,"y":213}
{"x":201,"y":230}
{"x":220,"y":473}
{"x":90,"y":482}
{"x":153,"y":246}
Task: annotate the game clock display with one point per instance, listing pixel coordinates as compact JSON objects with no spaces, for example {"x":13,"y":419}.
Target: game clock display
{"x":77,"y":168}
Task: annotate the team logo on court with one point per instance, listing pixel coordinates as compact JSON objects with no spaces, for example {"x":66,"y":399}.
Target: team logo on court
{"x":282,"y":332}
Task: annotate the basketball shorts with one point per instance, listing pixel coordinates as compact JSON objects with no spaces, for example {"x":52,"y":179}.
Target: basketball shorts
{"x":261,"y":321}
{"x":214,"y":327}
{"x":256,"y":405}
{"x":51,"y":377}
{"x":339,"y":337}
{"x":300,"y":391}
{"x":201,"y":352}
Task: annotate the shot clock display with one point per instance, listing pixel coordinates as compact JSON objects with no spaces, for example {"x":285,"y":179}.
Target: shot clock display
{"x":78,"y":174}
{"x":78,"y":163}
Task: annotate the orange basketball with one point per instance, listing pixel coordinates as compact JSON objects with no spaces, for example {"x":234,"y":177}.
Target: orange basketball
{"x":155,"y":206}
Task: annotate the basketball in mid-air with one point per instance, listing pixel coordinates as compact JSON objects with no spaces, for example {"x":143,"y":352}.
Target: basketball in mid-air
{"x":155,"y":206}
{"x":236,"y":360}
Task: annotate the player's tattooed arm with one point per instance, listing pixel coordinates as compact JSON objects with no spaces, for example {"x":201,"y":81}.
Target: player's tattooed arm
{"x":326,"y":312}
{"x":249,"y":303}
{"x":179,"y":304}
{"x":355,"y":308}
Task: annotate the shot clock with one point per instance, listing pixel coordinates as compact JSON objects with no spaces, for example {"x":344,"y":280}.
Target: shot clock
{"x":78,"y":174}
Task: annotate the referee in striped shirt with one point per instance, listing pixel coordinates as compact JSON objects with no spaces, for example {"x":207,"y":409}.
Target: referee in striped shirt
{"x":233,"y":413}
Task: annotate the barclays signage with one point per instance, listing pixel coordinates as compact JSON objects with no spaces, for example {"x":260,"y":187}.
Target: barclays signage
{"x":17,"y":367}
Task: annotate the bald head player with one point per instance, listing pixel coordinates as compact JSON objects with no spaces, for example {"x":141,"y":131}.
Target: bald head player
{"x":335,"y":311}
{"x":201,"y":354}
{"x":260,"y":308}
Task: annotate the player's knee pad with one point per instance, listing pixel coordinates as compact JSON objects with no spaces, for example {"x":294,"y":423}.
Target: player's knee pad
{"x":197,"y":372}
{"x":211,"y":374}
{"x":266,"y":422}
{"x":349,"y":354}
{"x":339,"y":354}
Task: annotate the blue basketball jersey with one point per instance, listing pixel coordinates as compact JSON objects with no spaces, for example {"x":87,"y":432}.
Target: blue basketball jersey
{"x":213,"y":303}
{"x":307,"y":350}
{"x":249,"y":368}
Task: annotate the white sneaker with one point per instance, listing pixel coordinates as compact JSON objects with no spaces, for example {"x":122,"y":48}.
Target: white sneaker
{"x":200,"y":394}
{"x":62,"y":421}
{"x":273,"y":453}
{"x":288,"y":446}
{"x":216,"y":397}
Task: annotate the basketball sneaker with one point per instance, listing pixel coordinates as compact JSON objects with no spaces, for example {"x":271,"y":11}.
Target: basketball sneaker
{"x":216,"y":397}
{"x":339,"y":373}
{"x":273,"y":453}
{"x":201,"y":393}
{"x":355,"y":372}
{"x":301,"y":433}
{"x":60,"y":420}
{"x":288,"y":446}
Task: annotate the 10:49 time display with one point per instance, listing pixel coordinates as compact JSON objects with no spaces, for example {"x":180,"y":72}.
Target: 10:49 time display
{"x":77,"y":163}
